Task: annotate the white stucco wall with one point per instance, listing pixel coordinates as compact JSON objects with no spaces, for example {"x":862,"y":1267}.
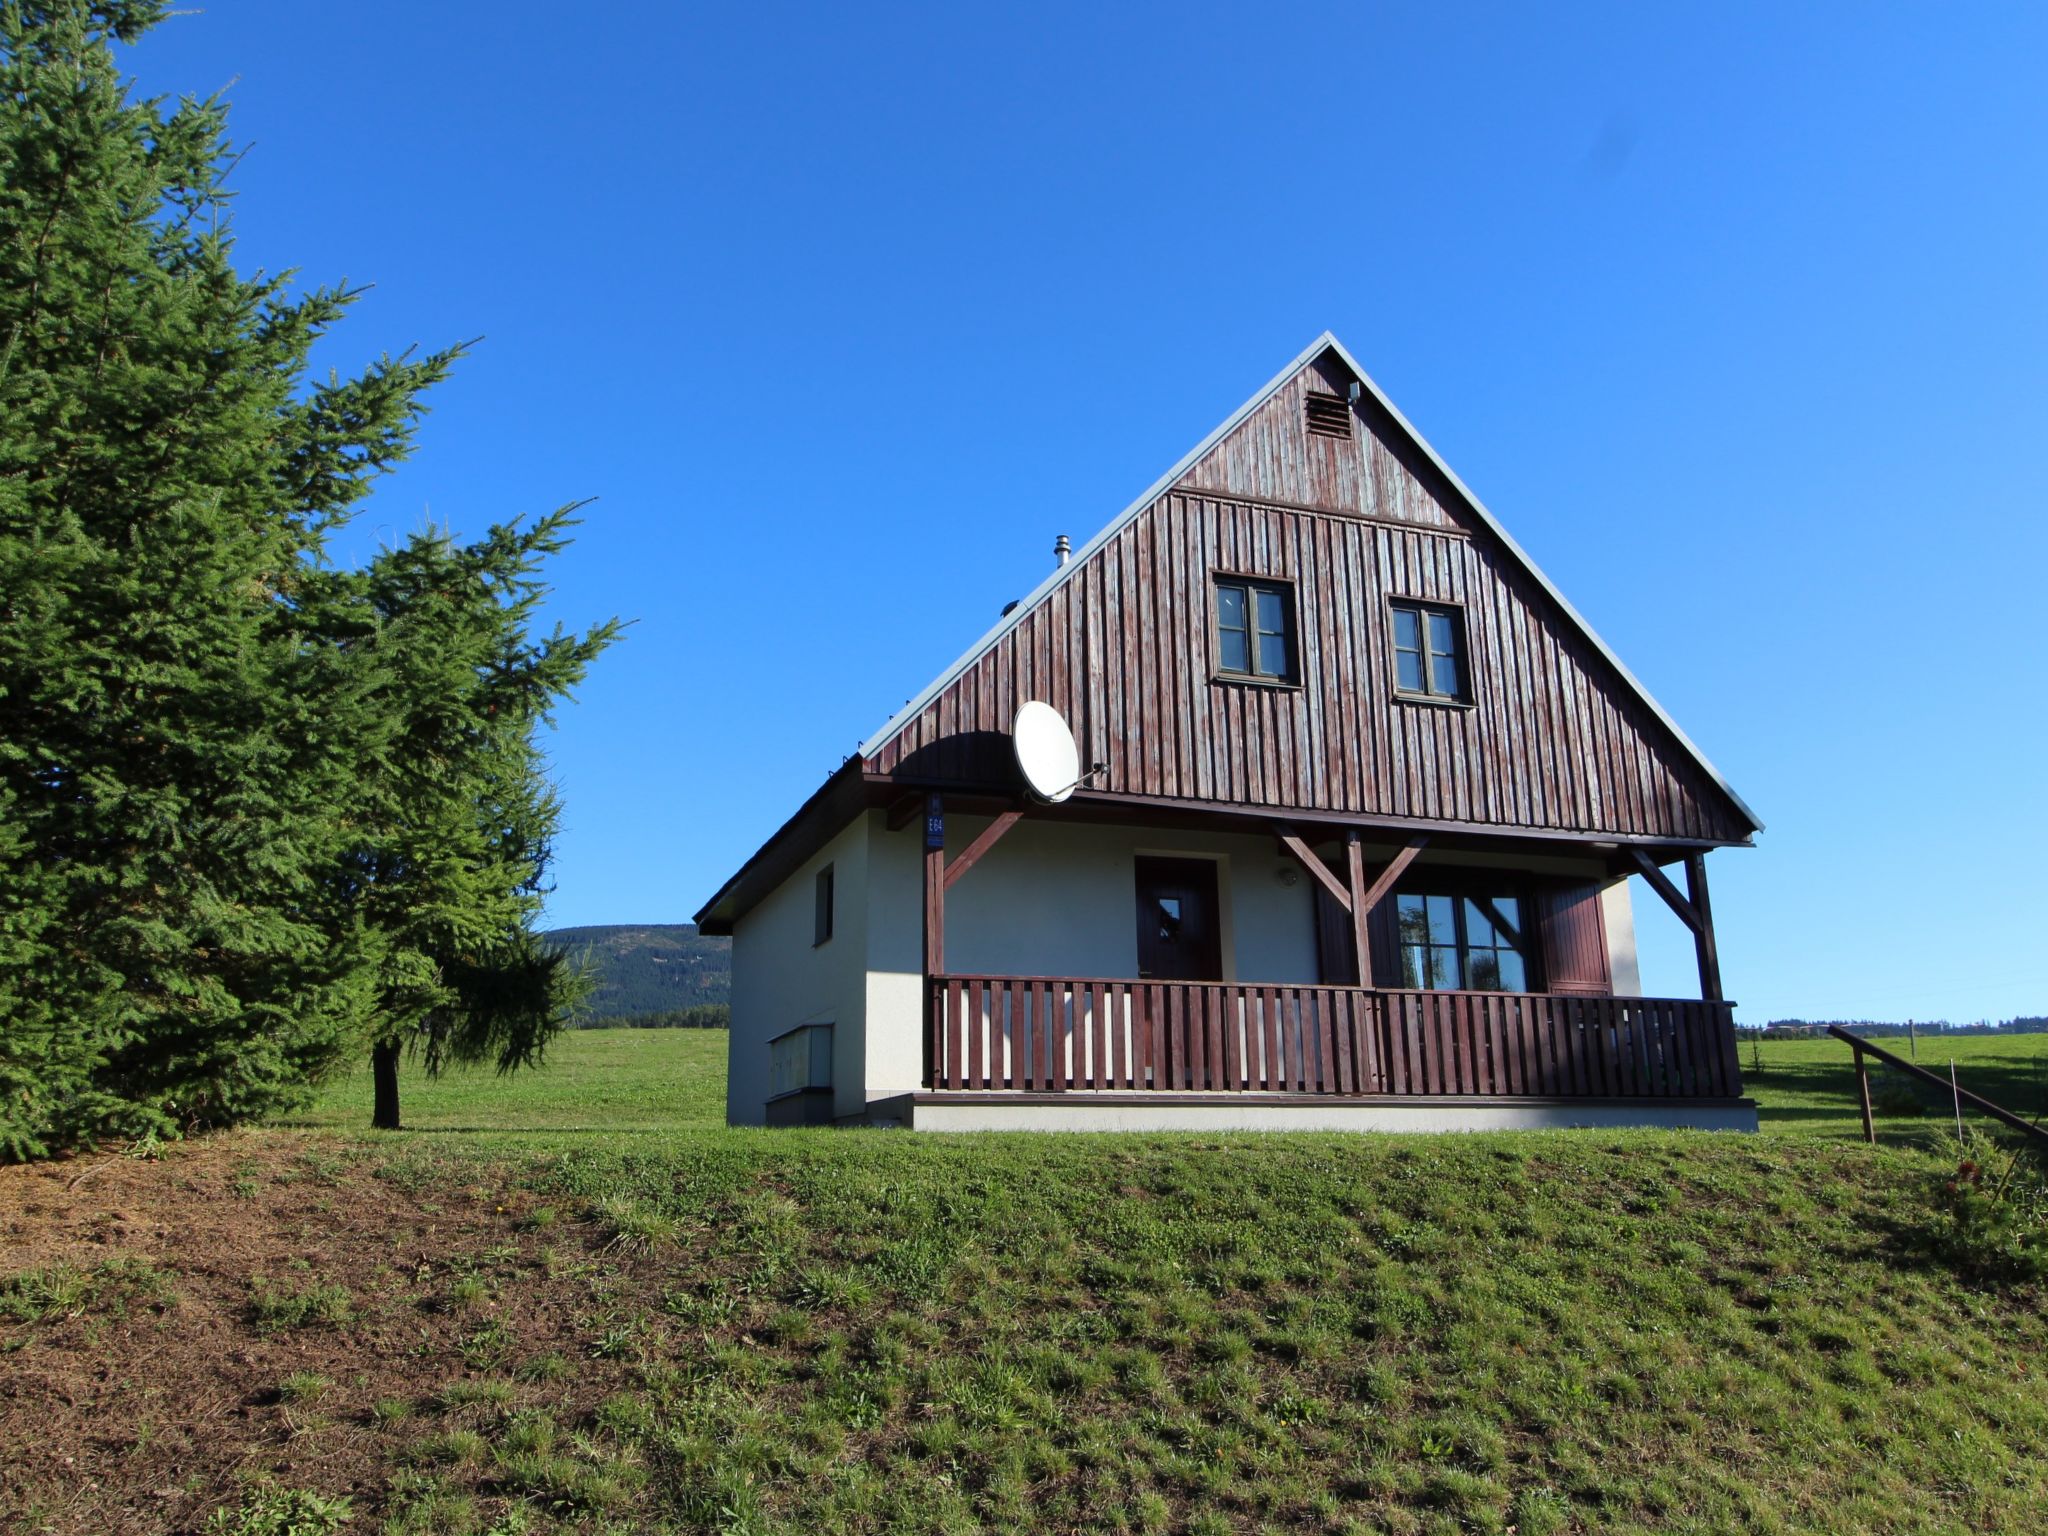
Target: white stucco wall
{"x":1056,"y":899}
{"x":779,"y":980}
{"x":1618,"y":914}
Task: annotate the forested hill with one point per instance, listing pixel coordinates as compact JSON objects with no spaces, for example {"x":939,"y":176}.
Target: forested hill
{"x":650,"y":967}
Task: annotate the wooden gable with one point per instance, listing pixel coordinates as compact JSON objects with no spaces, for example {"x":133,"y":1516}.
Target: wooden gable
{"x":1556,"y":737}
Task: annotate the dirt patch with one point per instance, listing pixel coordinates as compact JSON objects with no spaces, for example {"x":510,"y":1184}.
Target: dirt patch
{"x":256,"y":1307}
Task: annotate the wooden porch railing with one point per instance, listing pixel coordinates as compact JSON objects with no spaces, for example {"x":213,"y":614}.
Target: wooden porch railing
{"x":1059,"y":1034}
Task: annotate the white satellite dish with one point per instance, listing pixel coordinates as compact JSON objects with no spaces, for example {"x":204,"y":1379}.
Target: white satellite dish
{"x":1046,"y":754}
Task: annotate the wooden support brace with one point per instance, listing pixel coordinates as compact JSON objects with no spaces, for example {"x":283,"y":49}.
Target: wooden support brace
{"x":990,"y":836}
{"x":1306,"y":857}
{"x":1396,"y":867}
{"x":1661,"y":884}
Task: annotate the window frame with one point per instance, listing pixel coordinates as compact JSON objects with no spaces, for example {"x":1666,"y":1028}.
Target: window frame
{"x":1460,"y":655}
{"x":1528,"y":934}
{"x":1251,"y":585}
{"x":824,"y":894}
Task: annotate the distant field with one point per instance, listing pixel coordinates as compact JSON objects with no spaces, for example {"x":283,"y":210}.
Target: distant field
{"x":1808,"y":1087}
{"x":605,"y":1081}
{"x":645,"y":1081}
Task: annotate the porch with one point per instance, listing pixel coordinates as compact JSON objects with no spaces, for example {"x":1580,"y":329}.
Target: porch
{"x":1017,"y":1044}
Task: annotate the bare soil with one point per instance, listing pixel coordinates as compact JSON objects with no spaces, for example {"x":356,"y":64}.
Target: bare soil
{"x":151,"y":1391}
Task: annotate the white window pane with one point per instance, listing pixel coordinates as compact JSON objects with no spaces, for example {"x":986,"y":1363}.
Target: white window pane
{"x":1441,"y":634}
{"x":1230,"y":607}
{"x":1407,"y":631}
{"x":1443,"y":672}
{"x":1234,"y":655}
{"x":1272,"y":612}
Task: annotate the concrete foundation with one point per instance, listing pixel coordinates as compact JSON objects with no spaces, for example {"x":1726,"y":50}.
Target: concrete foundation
{"x":1263,"y":1112}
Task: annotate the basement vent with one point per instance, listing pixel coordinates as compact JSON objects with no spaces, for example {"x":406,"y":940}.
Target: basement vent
{"x":1328,"y":415}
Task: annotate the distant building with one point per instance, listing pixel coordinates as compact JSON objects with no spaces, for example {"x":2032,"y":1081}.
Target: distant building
{"x":1361,"y":794}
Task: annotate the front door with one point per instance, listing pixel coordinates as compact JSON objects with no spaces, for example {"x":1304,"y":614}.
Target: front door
{"x":1179,"y":937}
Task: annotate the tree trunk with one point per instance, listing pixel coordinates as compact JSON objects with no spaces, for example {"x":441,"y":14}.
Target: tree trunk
{"x":384,"y":1068}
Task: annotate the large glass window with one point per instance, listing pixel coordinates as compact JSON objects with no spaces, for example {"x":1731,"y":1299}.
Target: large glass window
{"x":1255,"y":629}
{"x":1461,"y":943}
{"x":1429,"y":651}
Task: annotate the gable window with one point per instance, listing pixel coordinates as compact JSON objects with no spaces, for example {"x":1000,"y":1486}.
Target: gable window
{"x":1429,"y":651}
{"x":1465,"y":943}
{"x":1255,"y":629}
{"x":821,"y":916}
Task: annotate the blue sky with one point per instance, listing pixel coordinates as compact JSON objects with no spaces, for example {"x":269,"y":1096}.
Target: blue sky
{"x":1736,"y":315}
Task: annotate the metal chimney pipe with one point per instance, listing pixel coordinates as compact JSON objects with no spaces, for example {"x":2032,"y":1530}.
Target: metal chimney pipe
{"x":1062,"y":551}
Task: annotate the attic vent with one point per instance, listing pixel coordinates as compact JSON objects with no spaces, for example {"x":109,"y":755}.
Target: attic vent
{"x":1328,"y":415}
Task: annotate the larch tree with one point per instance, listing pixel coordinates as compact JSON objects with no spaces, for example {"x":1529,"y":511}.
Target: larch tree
{"x":201,"y":722}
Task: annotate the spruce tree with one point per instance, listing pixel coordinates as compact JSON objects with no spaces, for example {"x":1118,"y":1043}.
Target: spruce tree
{"x":199,"y":719}
{"x":462,"y":813}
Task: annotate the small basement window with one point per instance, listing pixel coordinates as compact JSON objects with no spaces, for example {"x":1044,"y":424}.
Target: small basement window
{"x":1429,"y":651}
{"x":1328,"y":415}
{"x":800,"y":1061}
{"x":821,"y":916}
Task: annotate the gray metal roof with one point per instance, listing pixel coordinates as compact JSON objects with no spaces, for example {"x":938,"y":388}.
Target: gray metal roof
{"x":1322,"y":344}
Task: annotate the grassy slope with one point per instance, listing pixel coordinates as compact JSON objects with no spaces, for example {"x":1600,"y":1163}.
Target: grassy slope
{"x":827,"y":1331}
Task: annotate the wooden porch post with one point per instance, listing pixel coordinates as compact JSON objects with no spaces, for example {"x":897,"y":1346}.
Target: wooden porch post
{"x":934,"y":927}
{"x":1703,"y":935}
{"x":1361,"y":941}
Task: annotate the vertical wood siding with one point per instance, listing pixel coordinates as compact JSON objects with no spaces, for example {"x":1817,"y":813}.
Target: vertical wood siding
{"x":1553,"y":739}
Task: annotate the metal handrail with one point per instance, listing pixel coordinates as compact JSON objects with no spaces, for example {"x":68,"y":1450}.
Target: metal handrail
{"x":1861,"y":1046}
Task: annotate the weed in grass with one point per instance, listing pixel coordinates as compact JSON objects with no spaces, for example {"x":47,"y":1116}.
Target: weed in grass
{"x":468,"y":1293}
{"x":276,"y":1511}
{"x":633,"y":1225}
{"x":62,"y":1291}
{"x":452,"y":1448}
{"x":275,"y":1309}
{"x":539,"y":1219}
{"x":303,"y":1388}
{"x":390,"y":1410}
{"x":617,"y":1342}
{"x":489,"y":1347}
{"x":543,"y":1368}
{"x":490,"y":1393}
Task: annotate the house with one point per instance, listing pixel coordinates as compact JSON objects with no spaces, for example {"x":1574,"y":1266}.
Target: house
{"x":1359,"y":793}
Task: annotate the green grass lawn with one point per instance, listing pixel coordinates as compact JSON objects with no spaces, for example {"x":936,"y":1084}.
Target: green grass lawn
{"x":595,"y":1082}
{"x":1808,"y":1087}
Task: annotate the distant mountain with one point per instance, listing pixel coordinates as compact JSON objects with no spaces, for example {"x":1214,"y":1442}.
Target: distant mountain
{"x":650,"y":967}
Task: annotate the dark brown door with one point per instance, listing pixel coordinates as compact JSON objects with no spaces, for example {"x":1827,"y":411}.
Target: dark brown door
{"x":1179,"y":937}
